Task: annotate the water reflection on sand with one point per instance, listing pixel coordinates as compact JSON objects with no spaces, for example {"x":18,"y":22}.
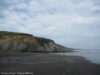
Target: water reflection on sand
{"x":92,"y":55}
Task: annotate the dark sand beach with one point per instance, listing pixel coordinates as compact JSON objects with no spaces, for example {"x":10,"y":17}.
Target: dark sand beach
{"x":46,"y":64}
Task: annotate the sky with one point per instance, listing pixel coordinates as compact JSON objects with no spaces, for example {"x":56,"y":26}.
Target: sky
{"x":72,"y":23}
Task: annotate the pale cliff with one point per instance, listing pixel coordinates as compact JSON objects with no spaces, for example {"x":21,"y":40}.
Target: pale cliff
{"x":20,"y":42}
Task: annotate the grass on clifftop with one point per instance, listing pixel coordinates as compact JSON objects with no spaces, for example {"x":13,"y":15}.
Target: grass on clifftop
{"x":24,"y":39}
{"x":11,"y":33}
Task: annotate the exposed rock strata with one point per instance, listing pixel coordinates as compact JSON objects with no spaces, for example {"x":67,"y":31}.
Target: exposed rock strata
{"x":28,"y":43}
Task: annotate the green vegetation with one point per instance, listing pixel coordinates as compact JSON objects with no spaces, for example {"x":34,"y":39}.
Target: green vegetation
{"x":42,"y":40}
{"x":11,"y":33}
{"x":22,"y":39}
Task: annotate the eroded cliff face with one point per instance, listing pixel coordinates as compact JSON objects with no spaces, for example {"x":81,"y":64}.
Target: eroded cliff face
{"x":29,"y":43}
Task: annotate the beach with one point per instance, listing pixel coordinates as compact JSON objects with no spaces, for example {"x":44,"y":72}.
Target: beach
{"x":46,"y":64}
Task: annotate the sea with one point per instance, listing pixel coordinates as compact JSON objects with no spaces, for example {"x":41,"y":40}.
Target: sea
{"x":92,"y":55}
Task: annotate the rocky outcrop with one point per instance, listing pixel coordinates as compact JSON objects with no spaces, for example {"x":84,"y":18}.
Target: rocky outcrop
{"x":19,"y":42}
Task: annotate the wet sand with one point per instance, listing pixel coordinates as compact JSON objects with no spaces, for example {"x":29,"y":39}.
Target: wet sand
{"x":47,"y":64}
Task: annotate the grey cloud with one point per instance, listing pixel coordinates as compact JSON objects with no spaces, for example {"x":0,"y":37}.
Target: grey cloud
{"x":69,"y":22}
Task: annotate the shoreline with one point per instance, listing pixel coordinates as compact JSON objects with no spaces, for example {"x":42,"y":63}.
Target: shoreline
{"x":49,"y":64}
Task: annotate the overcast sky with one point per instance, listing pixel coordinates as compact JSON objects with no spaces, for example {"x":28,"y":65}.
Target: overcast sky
{"x":72,"y":23}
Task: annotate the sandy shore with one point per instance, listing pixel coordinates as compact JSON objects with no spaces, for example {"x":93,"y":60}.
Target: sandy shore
{"x":46,"y":64}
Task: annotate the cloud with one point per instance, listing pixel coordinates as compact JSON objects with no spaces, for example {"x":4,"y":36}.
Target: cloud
{"x":69,"y":22}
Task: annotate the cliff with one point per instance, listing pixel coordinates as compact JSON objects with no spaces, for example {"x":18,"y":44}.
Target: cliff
{"x":21,"y":42}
